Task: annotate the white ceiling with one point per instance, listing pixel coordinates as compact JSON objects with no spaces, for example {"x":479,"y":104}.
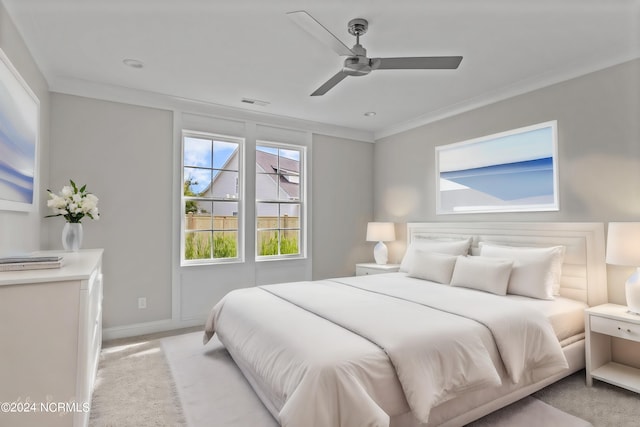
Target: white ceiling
{"x":219,"y":51}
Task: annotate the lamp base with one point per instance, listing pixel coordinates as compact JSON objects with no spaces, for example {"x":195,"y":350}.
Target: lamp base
{"x":632,"y":292}
{"x":380,"y":253}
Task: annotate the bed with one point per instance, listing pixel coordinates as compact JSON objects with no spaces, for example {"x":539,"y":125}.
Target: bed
{"x":404,"y":350}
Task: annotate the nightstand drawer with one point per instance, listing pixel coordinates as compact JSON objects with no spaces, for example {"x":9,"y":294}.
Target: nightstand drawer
{"x":367,"y":268}
{"x":363,"y":271}
{"x":615,"y":328}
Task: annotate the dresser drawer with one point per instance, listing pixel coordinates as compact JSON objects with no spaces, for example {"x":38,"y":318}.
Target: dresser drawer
{"x":615,"y":328}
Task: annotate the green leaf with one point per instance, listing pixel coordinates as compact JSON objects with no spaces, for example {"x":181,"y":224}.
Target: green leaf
{"x":84,"y":187}
{"x":73,"y":185}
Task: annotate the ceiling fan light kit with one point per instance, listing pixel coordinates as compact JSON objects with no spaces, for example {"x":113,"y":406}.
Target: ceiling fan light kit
{"x":357,"y":63}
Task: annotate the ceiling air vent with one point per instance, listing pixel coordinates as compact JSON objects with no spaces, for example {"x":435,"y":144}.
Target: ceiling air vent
{"x":255,"y":102}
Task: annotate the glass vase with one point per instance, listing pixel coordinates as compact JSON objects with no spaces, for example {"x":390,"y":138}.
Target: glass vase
{"x":72,"y":236}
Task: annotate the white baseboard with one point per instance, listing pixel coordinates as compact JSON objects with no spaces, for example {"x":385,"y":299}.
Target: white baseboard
{"x":136,"y":329}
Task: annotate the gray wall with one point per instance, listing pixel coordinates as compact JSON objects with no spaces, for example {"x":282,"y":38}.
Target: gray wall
{"x":20,"y":232}
{"x":343,"y":204}
{"x":124,"y":154}
{"x":598,"y":150}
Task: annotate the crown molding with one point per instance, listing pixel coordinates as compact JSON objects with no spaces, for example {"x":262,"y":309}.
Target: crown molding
{"x":126,"y":95}
{"x":513,"y":90}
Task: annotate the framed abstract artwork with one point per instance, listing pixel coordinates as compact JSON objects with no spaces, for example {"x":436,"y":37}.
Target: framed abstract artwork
{"x":19,"y":132}
{"x":512,"y":171}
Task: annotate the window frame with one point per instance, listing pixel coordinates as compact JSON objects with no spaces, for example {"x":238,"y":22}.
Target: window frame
{"x":240,"y":243}
{"x":301,"y":201}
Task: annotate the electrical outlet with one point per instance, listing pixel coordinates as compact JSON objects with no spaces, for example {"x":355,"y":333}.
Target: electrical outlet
{"x":142,"y":302}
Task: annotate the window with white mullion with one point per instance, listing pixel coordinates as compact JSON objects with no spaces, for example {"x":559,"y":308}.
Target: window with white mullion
{"x":211,"y":198}
{"x":279,"y":200}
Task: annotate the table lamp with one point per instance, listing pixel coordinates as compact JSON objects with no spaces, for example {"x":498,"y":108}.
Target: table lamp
{"x":381,"y":232}
{"x":623,"y":248}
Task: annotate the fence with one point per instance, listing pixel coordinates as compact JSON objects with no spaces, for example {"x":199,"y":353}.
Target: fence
{"x":221,"y":223}
{"x":199,"y":245}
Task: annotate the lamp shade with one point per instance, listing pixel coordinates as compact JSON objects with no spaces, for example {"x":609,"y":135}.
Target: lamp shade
{"x":381,"y":232}
{"x":623,"y":244}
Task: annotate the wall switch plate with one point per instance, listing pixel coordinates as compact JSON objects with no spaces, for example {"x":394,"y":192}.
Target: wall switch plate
{"x":142,"y":302}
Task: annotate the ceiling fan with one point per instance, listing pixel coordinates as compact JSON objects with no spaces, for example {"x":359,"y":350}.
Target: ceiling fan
{"x":357,"y":63}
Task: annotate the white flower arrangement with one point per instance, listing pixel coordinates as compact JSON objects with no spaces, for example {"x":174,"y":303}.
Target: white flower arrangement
{"x":73,"y":203}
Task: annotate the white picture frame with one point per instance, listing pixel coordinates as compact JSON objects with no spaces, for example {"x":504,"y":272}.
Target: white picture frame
{"x":19,"y":138}
{"x":511,"y":171}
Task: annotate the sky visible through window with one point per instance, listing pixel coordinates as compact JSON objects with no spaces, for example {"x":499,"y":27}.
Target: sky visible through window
{"x":290,"y":154}
{"x":201,"y":156}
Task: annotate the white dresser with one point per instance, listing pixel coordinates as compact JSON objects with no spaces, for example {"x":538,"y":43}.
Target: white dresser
{"x":50,"y":341}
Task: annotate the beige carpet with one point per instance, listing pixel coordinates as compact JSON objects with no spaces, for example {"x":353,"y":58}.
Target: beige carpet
{"x":211,"y":387}
{"x":605,"y":405}
{"x":530,"y":412}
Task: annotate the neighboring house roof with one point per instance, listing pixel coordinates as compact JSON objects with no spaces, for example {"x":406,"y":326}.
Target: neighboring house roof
{"x":269,"y":163}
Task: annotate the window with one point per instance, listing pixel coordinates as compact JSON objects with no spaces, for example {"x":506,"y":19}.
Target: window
{"x":212,"y":198}
{"x":280,"y":202}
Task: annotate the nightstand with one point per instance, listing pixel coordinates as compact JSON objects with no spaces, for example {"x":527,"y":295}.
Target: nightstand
{"x":601,"y":324}
{"x":373,"y":268}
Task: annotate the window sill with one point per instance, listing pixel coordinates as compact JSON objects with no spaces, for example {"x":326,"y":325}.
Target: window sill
{"x":209,"y":262}
{"x":280,"y":258}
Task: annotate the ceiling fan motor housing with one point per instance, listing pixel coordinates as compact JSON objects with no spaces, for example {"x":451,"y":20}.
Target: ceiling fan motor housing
{"x":357,"y":66}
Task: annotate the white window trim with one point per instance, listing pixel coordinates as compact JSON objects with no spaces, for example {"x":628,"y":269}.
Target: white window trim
{"x":302,"y":201}
{"x":240,"y":245}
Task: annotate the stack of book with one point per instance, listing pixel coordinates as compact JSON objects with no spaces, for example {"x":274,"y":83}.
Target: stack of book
{"x":30,"y":263}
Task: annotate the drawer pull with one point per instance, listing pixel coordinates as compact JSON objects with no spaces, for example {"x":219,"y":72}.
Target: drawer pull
{"x":624,"y":330}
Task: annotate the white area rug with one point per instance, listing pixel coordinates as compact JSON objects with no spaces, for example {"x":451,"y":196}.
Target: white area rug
{"x":133,"y":388}
{"x":213,"y":391}
{"x":211,"y":387}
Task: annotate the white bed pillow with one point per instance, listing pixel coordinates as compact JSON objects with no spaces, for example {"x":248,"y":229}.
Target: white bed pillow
{"x":449,"y":247}
{"x":482,"y":273}
{"x":432,"y":266}
{"x":536,"y":271}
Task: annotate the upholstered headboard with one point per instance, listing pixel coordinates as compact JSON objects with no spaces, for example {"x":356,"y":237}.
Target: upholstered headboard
{"x":584,"y":275}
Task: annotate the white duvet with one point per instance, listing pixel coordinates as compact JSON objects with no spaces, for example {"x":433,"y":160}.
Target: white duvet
{"x":316,"y":345}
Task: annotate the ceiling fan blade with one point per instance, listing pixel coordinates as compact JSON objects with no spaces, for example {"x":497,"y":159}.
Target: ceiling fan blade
{"x":417,"y":63}
{"x":329,"y":84}
{"x":317,"y":30}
